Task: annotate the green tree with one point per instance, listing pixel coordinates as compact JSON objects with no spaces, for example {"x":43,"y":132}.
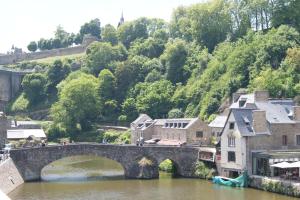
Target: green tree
{"x":56,"y":73}
{"x":210,"y":22}
{"x":174,"y":58}
{"x":78,"y":104}
{"x":175,"y":113}
{"x":107,"y":85}
{"x":129,"y":109}
{"x":109,"y":34}
{"x":100,"y":54}
{"x":32,"y":46}
{"x":92,"y":28}
{"x":34,"y":86}
{"x":155,"y":100}
{"x":133,"y":30}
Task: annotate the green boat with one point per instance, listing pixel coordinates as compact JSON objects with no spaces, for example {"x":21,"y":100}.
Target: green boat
{"x":241,"y":181}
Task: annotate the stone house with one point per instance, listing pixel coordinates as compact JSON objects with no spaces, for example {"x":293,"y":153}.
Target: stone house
{"x":217,"y":126}
{"x":259,"y":132}
{"x":170,"y":131}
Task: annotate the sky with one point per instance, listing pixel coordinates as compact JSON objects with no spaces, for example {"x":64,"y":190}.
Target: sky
{"x":22,"y":21}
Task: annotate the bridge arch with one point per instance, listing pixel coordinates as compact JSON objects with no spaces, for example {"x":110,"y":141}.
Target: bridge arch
{"x":31,"y":161}
{"x":82,"y":167}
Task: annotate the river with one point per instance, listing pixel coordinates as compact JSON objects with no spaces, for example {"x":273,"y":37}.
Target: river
{"x":92,"y":178}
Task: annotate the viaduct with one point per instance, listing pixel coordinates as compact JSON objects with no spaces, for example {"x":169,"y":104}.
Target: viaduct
{"x":31,"y":161}
{"x":10,"y":84}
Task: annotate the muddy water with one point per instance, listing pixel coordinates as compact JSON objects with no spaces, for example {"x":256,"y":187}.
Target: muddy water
{"x":92,"y":178}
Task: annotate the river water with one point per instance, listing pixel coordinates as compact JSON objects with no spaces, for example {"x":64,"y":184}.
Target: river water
{"x":92,"y":178}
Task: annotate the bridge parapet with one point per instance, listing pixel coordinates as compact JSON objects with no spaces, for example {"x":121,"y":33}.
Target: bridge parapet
{"x":31,"y":161}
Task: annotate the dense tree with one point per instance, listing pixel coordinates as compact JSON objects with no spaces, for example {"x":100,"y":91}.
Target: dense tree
{"x":78,"y":104}
{"x":100,"y":54}
{"x":155,"y":100}
{"x":34,"y":86}
{"x":175,"y":113}
{"x":56,"y":73}
{"x":107,"y":85}
{"x":92,"y":28}
{"x":32,"y":46}
{"x":130,"y":31}
{"x":174,"y":58}
{"x":109,"y":34}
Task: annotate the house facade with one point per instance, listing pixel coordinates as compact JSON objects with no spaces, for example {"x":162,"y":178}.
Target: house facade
{"x":258,"y":133}
{"x":170,"y":131}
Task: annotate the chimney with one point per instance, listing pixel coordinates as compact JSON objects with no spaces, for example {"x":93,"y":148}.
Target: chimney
{"x":259,"y":121}
{"x":261,"y":95}
{"x":236,"y":95}
{"x":296,"y":113}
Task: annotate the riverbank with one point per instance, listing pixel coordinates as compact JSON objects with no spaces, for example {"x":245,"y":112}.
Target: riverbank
{"x":274,"y":185}
{"x":10,"y":177}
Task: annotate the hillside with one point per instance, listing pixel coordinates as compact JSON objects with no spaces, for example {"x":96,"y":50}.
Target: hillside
{"x":187,"y":67}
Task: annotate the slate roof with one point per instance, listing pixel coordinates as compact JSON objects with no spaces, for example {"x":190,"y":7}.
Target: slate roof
{"x":275,"y":113}
{"x":244,"y":121}
{"x":218,"y":122}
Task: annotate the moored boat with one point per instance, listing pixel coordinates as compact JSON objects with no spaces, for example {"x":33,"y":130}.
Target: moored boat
{"x":241,"y":181}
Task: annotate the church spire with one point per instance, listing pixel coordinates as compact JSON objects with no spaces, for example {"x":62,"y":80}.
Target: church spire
{"x":121,"y":20}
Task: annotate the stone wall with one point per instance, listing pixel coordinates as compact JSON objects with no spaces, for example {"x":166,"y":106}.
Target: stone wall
{"x":30,"y":162}
{"x":9,"y":176}
{"x":14,"y":58}
{"x":273,"y":141}
{"x":274,"y":185}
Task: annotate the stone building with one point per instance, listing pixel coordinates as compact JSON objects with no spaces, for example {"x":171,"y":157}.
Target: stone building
{"x":259,"y":132}
{"x":3,"y":129}
{"x":170,"y":131}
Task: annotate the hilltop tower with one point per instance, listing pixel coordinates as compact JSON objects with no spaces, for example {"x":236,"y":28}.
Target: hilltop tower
{"x":121,"y":20}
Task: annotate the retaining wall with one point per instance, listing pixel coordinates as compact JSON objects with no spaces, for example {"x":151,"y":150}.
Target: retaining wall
{"x":285,"y":187}
{"x":9,"y":176}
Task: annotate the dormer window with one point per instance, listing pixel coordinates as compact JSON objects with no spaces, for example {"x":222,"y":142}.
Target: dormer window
{"x":242,"y":103}
{"x":231,"y":125}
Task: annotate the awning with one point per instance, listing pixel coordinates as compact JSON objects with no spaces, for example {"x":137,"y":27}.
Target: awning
{"x":285,"y":165}
{"x":295,"y":165}
{"x":282,"y":165}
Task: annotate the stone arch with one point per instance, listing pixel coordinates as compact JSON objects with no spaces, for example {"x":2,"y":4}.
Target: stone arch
{"x":80,"y":158}
{"x":34,"y":160}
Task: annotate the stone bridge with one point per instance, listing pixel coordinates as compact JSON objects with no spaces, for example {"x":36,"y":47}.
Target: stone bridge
{"x":31,"y":161}
{"x":10,"y":84}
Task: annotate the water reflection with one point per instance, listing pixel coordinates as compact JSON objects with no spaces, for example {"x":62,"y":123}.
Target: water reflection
{"x":82,"y":168}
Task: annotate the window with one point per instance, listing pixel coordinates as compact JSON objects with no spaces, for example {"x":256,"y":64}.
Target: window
{"x":284,"y":140}
{"x":231,"y":156}
{"x":298,"y":139}
{"x":231,"y":125}
{"x":231,"y":141}
{"x":199,"y":134}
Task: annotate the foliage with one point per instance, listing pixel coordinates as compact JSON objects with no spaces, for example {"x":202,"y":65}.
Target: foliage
{"x":32,"y":46}
{"x":116,"y":137}
{"x":34,"y":87}
{"x":100,"y":54}
{"x":109,"y":34}
{"x":155,"y":99}
{"x":57,"y":72}
{"x":175,"y":113}
{"x":20,"y":104}
{"x":166,"y":166}
{"x":145,"y":162}
{"x":92,"y":28}
{"x":78,"y":104}
{"x":202,"y":171}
